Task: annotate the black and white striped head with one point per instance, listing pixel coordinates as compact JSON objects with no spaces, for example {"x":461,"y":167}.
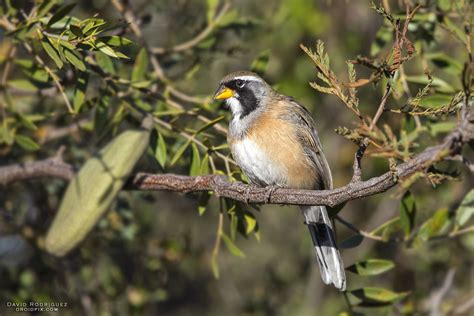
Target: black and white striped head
{"x":243,"y":91}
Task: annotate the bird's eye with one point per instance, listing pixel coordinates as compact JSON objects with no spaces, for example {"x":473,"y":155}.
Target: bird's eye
{"x":239,"y":83}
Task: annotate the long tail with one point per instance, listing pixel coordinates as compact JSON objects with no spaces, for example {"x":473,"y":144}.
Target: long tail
{"x":327,"y":254}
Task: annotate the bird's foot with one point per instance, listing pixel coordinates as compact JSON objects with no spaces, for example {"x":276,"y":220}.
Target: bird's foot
{"x":269,"y":191}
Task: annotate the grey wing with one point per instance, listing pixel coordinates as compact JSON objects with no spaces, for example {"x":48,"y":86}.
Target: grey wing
{"x":312,"y":144}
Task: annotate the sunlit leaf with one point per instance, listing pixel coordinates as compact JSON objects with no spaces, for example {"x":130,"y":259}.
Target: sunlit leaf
{"x":22,"y":84}
{"x":377,"y":295}
{"x":250,"y":222}
{"x":232,"y":247}
{"x":160,"y":151}
{"x":74,"y":59}
{"x":116,"y":40}
{"x":140,"y":67}
{"x":371,"y":267}
{"x":195,"y":161}
{"x":205,"y":165}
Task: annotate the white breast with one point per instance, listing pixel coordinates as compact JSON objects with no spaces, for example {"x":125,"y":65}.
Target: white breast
{"x":256,"y":164}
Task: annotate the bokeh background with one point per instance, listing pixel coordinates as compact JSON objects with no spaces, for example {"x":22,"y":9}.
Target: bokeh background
{"x":150,"y":255}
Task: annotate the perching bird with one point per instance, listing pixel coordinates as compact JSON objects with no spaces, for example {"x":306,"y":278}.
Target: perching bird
{"x":275,"y":143}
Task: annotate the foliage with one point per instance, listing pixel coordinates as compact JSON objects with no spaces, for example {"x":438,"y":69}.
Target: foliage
{"x":78,"y":79}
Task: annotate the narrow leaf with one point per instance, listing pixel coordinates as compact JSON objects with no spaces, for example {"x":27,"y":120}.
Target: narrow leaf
{"x":180,"y":152}
{"x":26,"y":143}
{"x":105,"y":62}
{"x":62,"y":12}
{"x":80,"y":91}
{"x":209,"y":124}
{"x":160,"y":151}
{"x":351,"y":242}
{"x":377,"y":295}
{"x":51,"y":51}
{"x":435,"y":225}
{"x":250,"y":222}
{"x":116,"y":40}
{"x":195,"y":162}
{"x":141,"y":66}
{"x":205,"y":165}
{"x":466,"y":209}
{"x":232,"y":247}
{"x":371,"y":267}
{"x":407,"y":213}
{"x":74,"y":59}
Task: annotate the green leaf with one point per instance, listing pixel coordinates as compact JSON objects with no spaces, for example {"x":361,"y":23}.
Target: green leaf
{"x":466,"y":209}
{"x":22,"y":84}
{"x":209,"y":124}
{"x":387,"y":229}
{"x":232,"y":247}
{"x":74,"y":59}
{"x":371,"y":267}
{"x":116,"y":40}
{"x":434,"y":225}
{"x":377,"y":295}
{"x":51,"y":51}
{"x":27,"y":122}
{"x":250,"y":222}
{"x":211,"y":9}
{"x":106,"y":49}
{"x":80,"y":91}
{"x":205,"y":165}
{"x":62,"y":12}
{"x":259,"y":65}
{"x":26,"y":143}
{"x":180,"y":152}
{"x":142,"y":84}
{"x":105,"y":62}
{"x":407,"y":213}
{"x":441,"y":128}
{"x":383,"y":36}
{"x":76,"y":30}
{"x":160,"y":151}
{"x":195,"y":162}
{"x":446,"y":63}
{"x":438,"y":83}
{"x":140,"y":67}
{"x":351,"y":242}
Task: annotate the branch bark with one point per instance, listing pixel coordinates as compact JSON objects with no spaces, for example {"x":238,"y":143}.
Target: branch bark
{"x":451,"y":146}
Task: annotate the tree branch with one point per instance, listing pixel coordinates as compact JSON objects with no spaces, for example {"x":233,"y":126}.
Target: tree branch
{"x":219,"y":184}
{"x":53,"y":167}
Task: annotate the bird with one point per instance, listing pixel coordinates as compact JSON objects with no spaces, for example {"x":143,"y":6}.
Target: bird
{"x":274,"y":141}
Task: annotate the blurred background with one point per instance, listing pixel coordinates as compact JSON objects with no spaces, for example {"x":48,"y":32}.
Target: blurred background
{"x":151,"y":253}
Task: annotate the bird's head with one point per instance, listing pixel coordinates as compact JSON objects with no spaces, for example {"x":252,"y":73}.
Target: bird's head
{"x":243,"y":91}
